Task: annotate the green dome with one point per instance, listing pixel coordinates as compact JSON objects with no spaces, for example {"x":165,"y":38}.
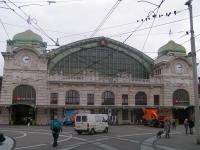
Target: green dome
{"x":171,"y":46}
{"x":27,"y":36}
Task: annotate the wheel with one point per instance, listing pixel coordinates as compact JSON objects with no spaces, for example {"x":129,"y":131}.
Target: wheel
{"x":79,"y":132}
{"x":106,"y":130}
{"x":92,"y":131}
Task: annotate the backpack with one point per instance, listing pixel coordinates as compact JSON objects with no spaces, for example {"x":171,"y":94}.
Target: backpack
{"x":56,"y":126}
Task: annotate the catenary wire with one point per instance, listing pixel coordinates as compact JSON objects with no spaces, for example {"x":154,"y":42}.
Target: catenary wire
{"x":4,"y":29}
{"x":27,"y":20}
{"x":106,"y":18}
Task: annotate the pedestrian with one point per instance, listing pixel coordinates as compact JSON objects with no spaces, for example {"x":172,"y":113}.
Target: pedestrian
{"x":186,"y":124}
{"x":191,"y":125}
{"x":28,"y":121}
{"x":56,"y":128}
{"x":174,"y":123}
{"x":167,"y":128}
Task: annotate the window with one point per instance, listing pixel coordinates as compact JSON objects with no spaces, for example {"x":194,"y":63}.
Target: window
{"x":125,"y":114}
{"x":181,"y":97}
{"x":90,"y":99}
{"x":24,"y":94}
{"x":54,"y":98}
{"x":140,"y":98}
{"x":84,"y":118}
{"x":108,"y":98}
{"x":110,"y":63}
{"x":124,"y":99}
{"x":156,"y":99}
{"x":78,"y":119}
{"x":72,"y":97}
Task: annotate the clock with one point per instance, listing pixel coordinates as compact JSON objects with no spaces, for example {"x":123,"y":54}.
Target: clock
{"x":179,"y":68}
{"x":26,"y":59}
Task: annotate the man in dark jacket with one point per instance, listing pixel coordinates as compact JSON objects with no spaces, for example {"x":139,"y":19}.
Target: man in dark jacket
{"x":56,"y":128}
{"x":191,"y":125}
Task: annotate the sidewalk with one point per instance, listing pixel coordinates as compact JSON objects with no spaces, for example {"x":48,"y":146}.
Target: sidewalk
{"x":178,"y":141}
{"x":8,"y":144}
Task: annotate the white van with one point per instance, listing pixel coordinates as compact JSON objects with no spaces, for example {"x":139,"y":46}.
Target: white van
{"x":91,"y":123}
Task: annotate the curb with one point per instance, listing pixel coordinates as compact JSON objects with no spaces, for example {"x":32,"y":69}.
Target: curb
{"x":8,"y":144}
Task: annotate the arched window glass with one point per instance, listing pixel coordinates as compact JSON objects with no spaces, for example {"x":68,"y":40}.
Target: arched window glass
{"x":140,"y":98}
{"x":72,"y":97}
{"x":181,"y":98}
{"x":24,"y":94}
{"x":110,"y":63}
{"x":108,"y":98}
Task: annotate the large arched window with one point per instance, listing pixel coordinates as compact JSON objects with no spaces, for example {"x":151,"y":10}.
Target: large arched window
{"x":72,"y":97}
{"x":110,"y":63}
{"x":108,"y":98}
{"x":140,"y":98}
{"x":181,"y":98}
{"x":24,"y":94}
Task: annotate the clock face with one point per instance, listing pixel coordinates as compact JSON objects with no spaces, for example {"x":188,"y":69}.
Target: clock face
{"x":179,"y":68}
{"x":26,"y":59}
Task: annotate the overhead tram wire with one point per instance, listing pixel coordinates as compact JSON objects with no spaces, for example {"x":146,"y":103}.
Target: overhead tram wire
{"x":171,"y":22}
{"x":149,"y":32}
{"x":109,"y":27}
{"x":29,"y":21}
{"x":4,"y":29}
{"x":158,"y":6}
{"x":106,"y":18}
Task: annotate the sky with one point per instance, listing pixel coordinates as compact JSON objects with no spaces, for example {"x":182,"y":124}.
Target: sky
{"x":71,"y":20}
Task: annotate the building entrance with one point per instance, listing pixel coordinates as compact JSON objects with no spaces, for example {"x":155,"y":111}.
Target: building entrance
{"x":22,"y":114}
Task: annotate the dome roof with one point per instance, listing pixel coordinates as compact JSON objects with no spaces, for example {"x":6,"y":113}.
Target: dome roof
{"x":171,"y":46}
{"x":27,"y":36}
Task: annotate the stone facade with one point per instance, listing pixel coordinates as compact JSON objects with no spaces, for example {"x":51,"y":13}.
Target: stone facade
{"x":28,"y":63}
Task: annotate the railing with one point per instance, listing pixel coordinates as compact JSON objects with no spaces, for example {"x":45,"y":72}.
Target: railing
{"x":90,"y":103}
{"x":24,"y":102}
{"x":72,"y":102}
{"x":125,"y":103}
{"x":108,"y":103}
{"x":54,"y":101}
{"x":99,"y":79}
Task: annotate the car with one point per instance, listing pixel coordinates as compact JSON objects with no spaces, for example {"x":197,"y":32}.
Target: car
{"x":91,"y":123}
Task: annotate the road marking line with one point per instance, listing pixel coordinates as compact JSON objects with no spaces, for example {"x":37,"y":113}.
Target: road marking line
{"x":136,"y":134}
{"x":105,"y":146}
{"x":145,"y":147}
{"x":18,"y":137}
{"x":129,"y":140}
{"x":31,"y":146}
{"x":165,"y":147}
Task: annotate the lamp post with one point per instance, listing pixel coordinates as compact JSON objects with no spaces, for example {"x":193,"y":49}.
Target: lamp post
{"x":194,"y":68}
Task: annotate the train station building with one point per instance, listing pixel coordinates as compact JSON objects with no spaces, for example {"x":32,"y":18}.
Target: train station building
{"x":96,"y":75}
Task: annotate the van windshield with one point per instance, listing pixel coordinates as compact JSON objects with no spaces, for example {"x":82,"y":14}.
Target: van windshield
{"x":78,"y":118}
{"x":84,"y":118}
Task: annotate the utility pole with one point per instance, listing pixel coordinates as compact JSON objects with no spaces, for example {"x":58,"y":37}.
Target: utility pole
{"x":194,"y":67}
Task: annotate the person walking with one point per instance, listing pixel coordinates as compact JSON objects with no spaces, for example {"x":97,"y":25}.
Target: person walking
{"x":186,"y":124}
{"x":56,"y":128}
{"x":191,"y":125}
{"x":174,"y":123}
{"x":167,"y":128}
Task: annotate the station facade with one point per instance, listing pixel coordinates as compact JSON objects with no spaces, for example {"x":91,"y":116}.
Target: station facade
{"x":96,"y":75}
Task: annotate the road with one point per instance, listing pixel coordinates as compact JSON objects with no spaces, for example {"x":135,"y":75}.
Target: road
{"x":118,"y":138}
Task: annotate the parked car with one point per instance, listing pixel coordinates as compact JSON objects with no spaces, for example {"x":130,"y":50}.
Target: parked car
{"x":91,"y":123}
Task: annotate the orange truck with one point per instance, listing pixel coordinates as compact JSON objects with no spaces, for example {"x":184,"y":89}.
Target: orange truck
{"x":156,"y":117}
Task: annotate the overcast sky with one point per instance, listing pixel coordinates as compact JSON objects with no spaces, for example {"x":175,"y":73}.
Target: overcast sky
{"x":73,"y":20}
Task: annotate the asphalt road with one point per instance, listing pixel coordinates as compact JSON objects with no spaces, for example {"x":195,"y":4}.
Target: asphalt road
{"x":118,"y":138}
